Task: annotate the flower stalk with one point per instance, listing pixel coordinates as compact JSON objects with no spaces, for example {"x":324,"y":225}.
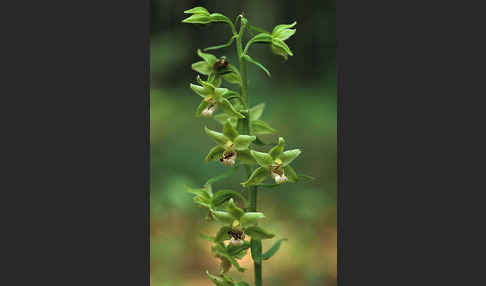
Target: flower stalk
{"x":235,"y":146}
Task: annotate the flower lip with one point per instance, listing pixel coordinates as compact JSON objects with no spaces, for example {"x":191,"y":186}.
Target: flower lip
{"x":208,"y":111}
{"x":228,"y":158}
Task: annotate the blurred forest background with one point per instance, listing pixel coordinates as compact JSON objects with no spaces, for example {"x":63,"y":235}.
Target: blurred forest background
{"x":301,"y":103}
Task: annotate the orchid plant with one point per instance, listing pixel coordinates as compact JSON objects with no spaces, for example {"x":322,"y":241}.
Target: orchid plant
{"x":236,"y":211}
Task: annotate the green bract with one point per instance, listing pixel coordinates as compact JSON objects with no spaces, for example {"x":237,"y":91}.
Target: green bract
{"x":214,"y":97}
{"x":275,"y":163}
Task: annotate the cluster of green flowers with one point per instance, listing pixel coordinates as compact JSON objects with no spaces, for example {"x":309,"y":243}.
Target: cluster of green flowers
{"x":234,"y":144}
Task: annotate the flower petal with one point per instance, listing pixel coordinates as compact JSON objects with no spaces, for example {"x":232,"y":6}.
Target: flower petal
{"x":263,"y":159}
{"x":215,"y":153}
{"x":219,"y":138}
{"x":208,"y":58}
{"x":278,"y":149}
{"x":229,"y":131}
{"x":243,"y":141}
{"x":291,"y":174}
{"x":257,"y":177}
{"x":289,"y":156}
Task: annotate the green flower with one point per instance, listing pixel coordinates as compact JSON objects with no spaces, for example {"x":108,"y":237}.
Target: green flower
{"x":230,"y":146}
{"x":216,"y":69}
{"x":213,"y":97}
{"x":236,"y":223}
{"x":275,"y":163}
{"x":279,"y":34}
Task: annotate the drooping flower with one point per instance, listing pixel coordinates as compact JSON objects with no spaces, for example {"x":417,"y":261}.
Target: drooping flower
{"x":279,"y":34}
{"x":275,"y":164}
{"x":216,"y":69}
{"x":214,"y":97}
{"x":231,"y":145}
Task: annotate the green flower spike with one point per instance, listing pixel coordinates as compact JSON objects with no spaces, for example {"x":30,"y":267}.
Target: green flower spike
{"x":275,"y":163}
{"x":213,"y":97}
{"x":230,"y":145}
{"x":216,"y":69}
{"x":279,"y":34}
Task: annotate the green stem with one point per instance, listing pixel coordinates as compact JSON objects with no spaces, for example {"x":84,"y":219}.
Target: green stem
{"x":245,"y":128}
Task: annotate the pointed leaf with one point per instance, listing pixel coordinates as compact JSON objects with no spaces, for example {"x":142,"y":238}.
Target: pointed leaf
{"x":281,"y":48}
{"x":234,"y":76}
{"x":258,"y":233}
{"x":257,"y":177}
{"x":202,"y":202}
{"x":285,"y":34}
{"x":250,"y":60}
{"x":203,"y":192}
{"x":228,"y":174}
{"x":261,"y":127}
{"x":217,"y":17}
{"x":291,"y":175}
{"x":260,"y":38}
{"x":308,"y":178}
{"x":201,"y":67}
{"x":263,"y":159}
{"x":203,"y":105}
{"x":197,"y":19}
{"x":221,"y":117}
{"x":283,"y":31}
{"x":219,"y":138}
{"x":243,"y":141}
{"x":215,"y":153}
{"x":278,"y":149}
{"x":256,"y":29}
{"x":223,"y":195}
{"x":269,"y":253}
{"x":233,"y":261}
{"x":234,"y":210}
{"x":229,"y":131}
{"x":251,"y":218}
{"x":288,"y":156}
{"x":229,"y":109}
{"x":197,"y":10}
{"x":201,"y":91}
{"x":223,"y":217}
{"x":221,"y":46}
{"x":208,"y":58}
{"x":283,"y":26}
{"x":238,"y":251}
{"x":257,"y":111}
{"x":218,"y":281}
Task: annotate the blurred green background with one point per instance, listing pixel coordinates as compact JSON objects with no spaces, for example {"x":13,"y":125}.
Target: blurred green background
{"x":301,"y":103}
